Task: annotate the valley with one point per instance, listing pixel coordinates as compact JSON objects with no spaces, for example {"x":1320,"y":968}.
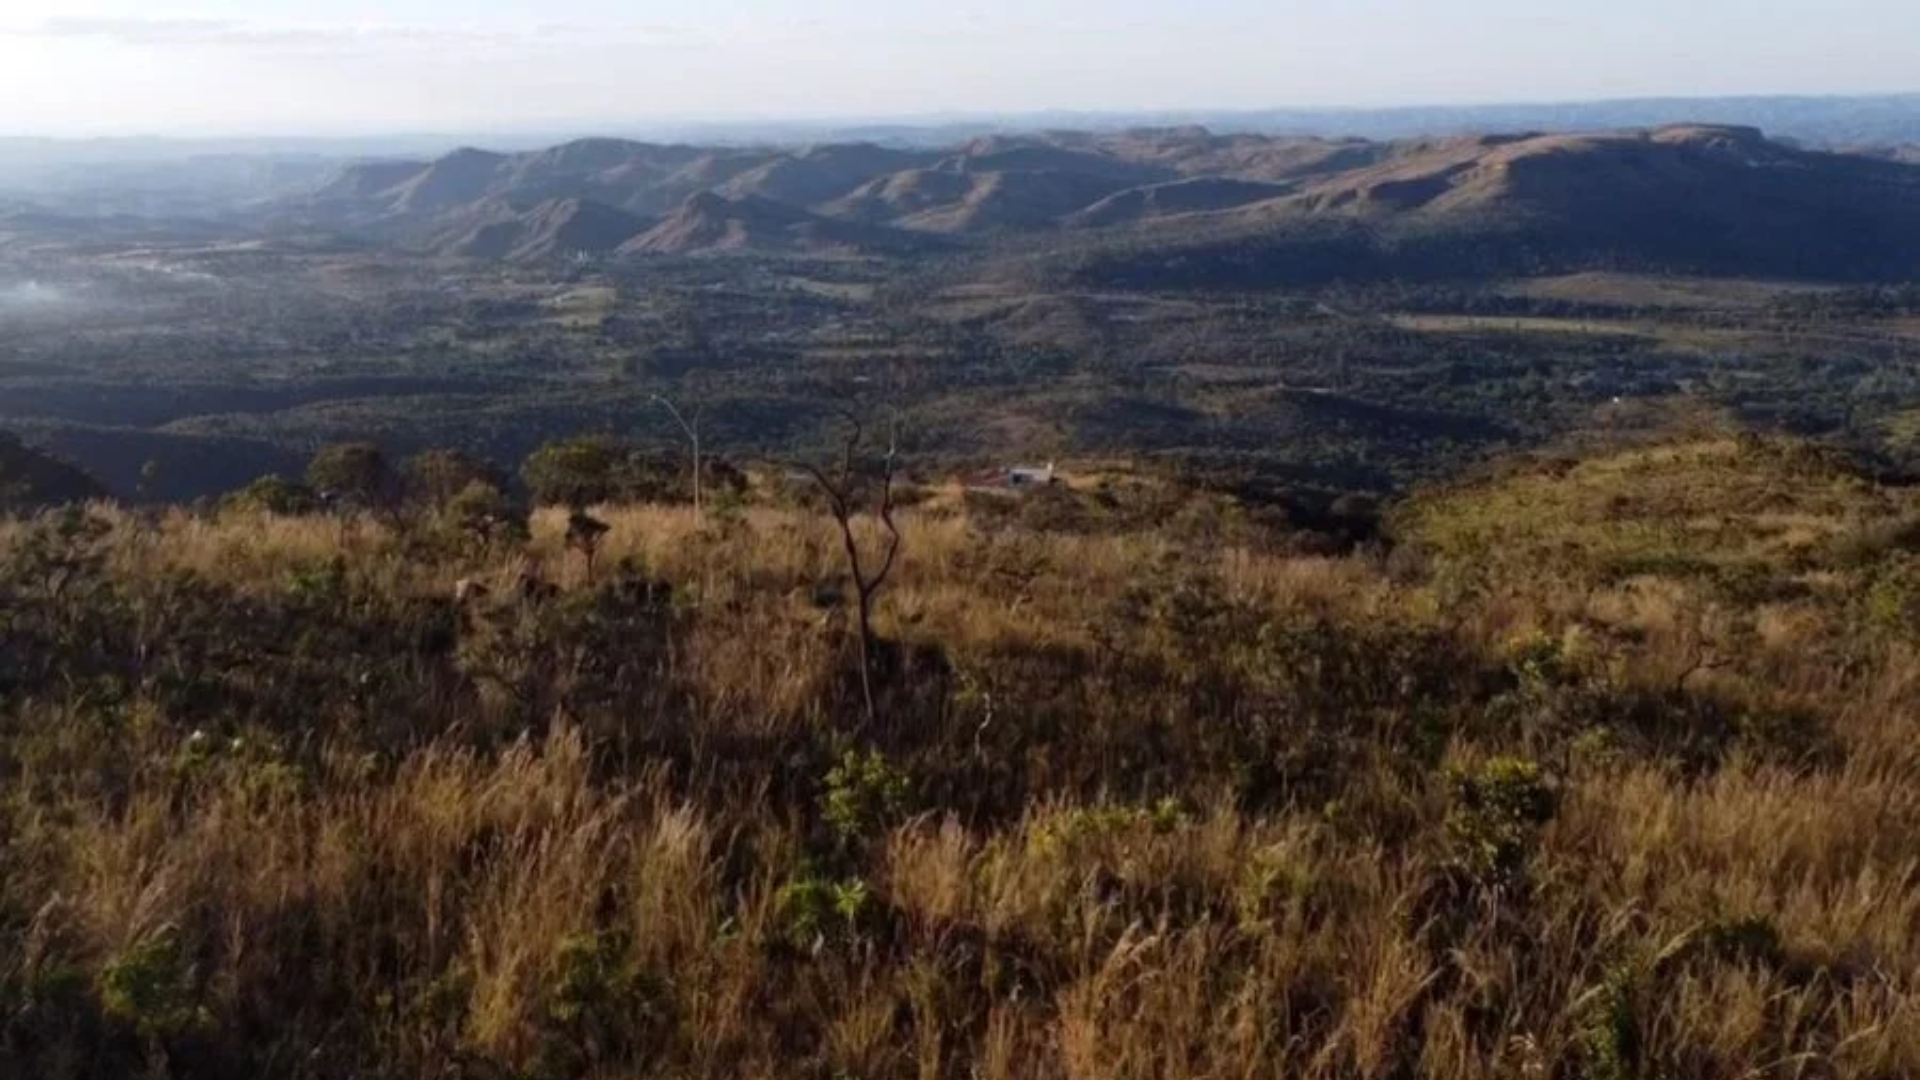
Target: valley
{"x":1334,"y":312}
{"x":1028,"y":605}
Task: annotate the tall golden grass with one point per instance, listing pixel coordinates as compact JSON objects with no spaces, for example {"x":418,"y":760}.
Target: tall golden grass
{"x":1136,"y":806}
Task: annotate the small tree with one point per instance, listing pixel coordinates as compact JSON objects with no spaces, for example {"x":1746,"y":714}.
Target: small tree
{"x":848,"y":495}
{"x":436,"y":477}
{"x":575,"y":473}
{"x":274,"y":495}
{"x":149,"y":484}
{"x":357,"y":473}
{"x":484,"y":512}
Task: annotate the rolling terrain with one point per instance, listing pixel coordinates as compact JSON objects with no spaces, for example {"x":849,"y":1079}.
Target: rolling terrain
{"x":1084,"y":605}
{"x":1337,"y":313}
{"x":1688,"y":199}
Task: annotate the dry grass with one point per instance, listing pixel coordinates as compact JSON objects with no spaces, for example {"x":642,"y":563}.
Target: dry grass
{"x":1137,"y":808}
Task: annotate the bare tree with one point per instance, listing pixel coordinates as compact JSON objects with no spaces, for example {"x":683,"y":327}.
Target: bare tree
{"x":693,"y":437}
{"x":846,"y":499}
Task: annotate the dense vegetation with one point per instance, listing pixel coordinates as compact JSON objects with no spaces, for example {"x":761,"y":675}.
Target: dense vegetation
{"x":1355,"y":315}
{"x":1348,"y":388}
{"x":1600,"y":766}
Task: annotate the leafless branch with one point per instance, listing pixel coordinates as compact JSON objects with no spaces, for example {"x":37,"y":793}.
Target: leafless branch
{"x":844,"y":502}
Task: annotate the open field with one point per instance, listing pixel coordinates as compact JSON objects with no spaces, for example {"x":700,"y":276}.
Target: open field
{"x":1662,"y":291}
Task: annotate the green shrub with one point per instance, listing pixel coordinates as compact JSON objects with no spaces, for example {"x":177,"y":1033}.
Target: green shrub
{"x":600,"y":1007}
{"x":813,"y":911}
{"x":864,"y":795}
{"x":437,"y":477}
{"x":484,"y":512}
{"x":150,"y":988}
{"x":1498,"y":810}
{"x":274,"y":495}
{"x":357,"y":473}
{"x":1893,"y":600}
{"x":1607,"y":1033}
{"x":576,"y":473}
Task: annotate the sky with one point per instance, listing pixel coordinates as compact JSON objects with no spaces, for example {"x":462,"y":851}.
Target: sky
{"x":336,"y":67}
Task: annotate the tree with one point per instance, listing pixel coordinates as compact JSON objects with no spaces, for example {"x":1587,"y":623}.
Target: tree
{"x":149,"y":483}
{"x":274,"y":495}
{"x":484,"y":512}
{"x":575,"y":473}
{"x":848,"y":494}
{"x":356,"y":473}
{"x":436,"y":477}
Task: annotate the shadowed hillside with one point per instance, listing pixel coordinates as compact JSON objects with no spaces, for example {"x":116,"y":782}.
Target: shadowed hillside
{"x":555,"y":229}
{"x":1690,"y":199}
{"x":29,"y":478}
{"x":708,"y":223}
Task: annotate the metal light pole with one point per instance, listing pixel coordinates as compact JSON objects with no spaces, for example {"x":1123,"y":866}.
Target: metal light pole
{"x":693,"y":437}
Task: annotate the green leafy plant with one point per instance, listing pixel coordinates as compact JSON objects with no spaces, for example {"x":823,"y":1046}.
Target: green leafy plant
{"x":1498,"y":811}
{"x":813,"y":911}
{"x":864,"y":794}
{"x":599,"y":1004}
{"x":1606,"y":1034}
{"x":274,"y":495}
{"x":151,"y":988}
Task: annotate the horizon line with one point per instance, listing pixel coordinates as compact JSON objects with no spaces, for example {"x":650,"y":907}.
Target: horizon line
{"x":525,"y":128}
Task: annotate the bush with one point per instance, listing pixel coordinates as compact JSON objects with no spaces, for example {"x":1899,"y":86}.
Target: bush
{"x":437,"y":477}
{"x":151,"y":989}
{"x":864,"y":795}
{"x":814,"y":911}
{"x":600,"y":1008}
{"x":274,"y":495}
{"x":484,"y":512}
{"x":356,"y":473}
{"x":1498,"y":811}
{"x":577,"y":473}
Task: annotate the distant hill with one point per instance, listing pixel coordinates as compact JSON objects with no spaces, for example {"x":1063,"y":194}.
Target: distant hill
{"x":902,"y":194}
{"x":1001,"y":201}
{"x":1195,"y":152}
{"x":714,"y":223}
{"x":30,"y":478}
{"x":1178,"y":197}
{"x":1690,"y":199}
{"x":1058,"y":156}
{"x":820,"y":174}
{"x":1215,"y":207}
{"x":554,"y":229}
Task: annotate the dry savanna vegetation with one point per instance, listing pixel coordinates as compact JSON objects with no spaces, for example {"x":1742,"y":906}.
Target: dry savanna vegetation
{"x":1603,"y":767}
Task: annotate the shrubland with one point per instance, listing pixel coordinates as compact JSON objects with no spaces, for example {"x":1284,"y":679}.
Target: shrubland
{"x":1598,"y":766}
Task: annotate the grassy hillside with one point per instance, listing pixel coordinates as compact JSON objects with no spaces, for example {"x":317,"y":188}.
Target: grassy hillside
{"x":1607,"y":767}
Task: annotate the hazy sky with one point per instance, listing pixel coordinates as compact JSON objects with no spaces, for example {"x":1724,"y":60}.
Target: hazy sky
{"x":334,"y":66}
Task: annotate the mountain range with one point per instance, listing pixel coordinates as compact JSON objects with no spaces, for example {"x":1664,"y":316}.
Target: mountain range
{"x":1686,"y":197}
